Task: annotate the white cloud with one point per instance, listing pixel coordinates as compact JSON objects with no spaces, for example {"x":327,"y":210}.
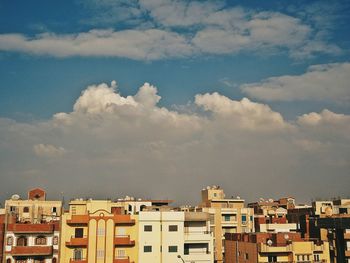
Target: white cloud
{"x":176,"y":29}
{"x":328,"y":82}
{"x":122,"y":145}
{"x":148,"y":44}
{"x":245,"y":113}
{"x":48,"y":150}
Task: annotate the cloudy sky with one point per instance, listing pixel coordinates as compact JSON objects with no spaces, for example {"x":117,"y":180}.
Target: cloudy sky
{"x":159,"y":98}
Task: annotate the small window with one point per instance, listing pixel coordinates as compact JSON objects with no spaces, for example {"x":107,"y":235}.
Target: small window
{"x":79,"y":232}
{"x":147,"y":228}
{"x":12,"y":209}
{"x":22,"y":241}
{"x":172,"y":249}
{"x":26,"y":209}
{"x":55,"y":240}
{"x":244,"y":218}
{"x":78,"y":254}
{"x":246,"y":256}
{"x":54,"y":260}
{"x":173,"y":228}
{"x":8,"y":260}
{"x":227,"y":218}
{"x":9,"y":241}
{"x":214,"y":194}
{"x":40,"y":241}
{"x":147,"y":249}
{"x":54,"y":209}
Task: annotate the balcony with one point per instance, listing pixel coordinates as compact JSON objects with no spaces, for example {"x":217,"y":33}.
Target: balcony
{"x":31,"y":228}
{"x":122,"y":260}
{"x":276,"y":248}
{"x":198,"y":256}
{"x":347,"y":236}
{"x":77,"y":241}
{"x":347,"y":253}
{"x":78,"y":220}
{"x":123,"y":220}
{"x":80,"y":260}
{"x":198,"y":236}
{"x":31,"y":251}
{"x":123,"y":241}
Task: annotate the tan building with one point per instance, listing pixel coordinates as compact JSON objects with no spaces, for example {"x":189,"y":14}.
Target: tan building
{"x":227,"y":215}
{"x":274,"y":247}
{"x":98,"y":231}
{"x":32,"y":228}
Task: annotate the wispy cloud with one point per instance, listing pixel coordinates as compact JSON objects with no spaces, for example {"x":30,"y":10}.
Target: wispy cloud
{"x":173,"y":29}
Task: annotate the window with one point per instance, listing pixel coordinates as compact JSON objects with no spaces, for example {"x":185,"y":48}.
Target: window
{"x":212,"y":219}
{"x":21,"y":260}
{"x":54,"y":260}
{"x":26,"y":209}
{"x":173,"y":228}
{"x":55,"y":240}
{"x":147,"y":249}
{"x":100,"y":253}
{"x":8,"y":260}
{"x":78,"y":254}
{"x":9,"y":241}
{"x":172,"y":249}
{"x":246,"y":256}
{"x":54,"y":209}
{"x":100,"y":231}
{"x":215,"y":194}
{"x":79,"y":232}
{"x":40,"y":241}
{"x":22,"y":241}
{"x":272,"y":258}
{"x":12,"y":209}
{"x":316,"y":257}
{"x":227,"y":218}
{"x":244,"y":218}
{"x":121,"y":253}
{"x":147,"y":228}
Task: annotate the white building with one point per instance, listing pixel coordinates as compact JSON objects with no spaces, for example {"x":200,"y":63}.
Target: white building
{"x":172,"y":236}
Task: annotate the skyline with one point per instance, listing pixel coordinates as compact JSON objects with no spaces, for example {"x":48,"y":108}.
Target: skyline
{"x":149,"y":97}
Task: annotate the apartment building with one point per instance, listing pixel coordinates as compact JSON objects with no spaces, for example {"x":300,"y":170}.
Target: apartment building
{"x":98,"y":231}
{"x":274,"y":247}
{"x":227,"y":215}
{"x":32,"y":228}
{"x":174,"y":236}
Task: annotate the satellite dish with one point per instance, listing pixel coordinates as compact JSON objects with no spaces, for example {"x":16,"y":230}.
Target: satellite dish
{"x":15,"y":197}
{"x":271,"y":200}
{"x":238,"y":197}
{"x":269,"y":242}
{"x":286,"y":237}
{"x":329,"y":211}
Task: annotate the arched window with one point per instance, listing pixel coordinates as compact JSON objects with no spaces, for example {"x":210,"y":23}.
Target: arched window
{"x":9,"y":241}
{"x":40,"y":241}
{"x":8,"y":260}
{"x":22,"y":241}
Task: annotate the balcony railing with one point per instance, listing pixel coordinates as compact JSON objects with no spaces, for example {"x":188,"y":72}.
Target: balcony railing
{"x":31,"y":228}
{"x":122,"y":260}
{"x":278,"y":248}
{"x":123,"y":220}
{"x":77,"y":241}
{"x":78,"y":260}
{"x":78,"y":219}
{"x":123,"y":240}
{"x":31,"y":251}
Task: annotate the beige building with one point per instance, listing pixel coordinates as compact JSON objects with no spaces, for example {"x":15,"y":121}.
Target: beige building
{"x":98,"y":231}
{"x":32,"y":228}
{"x":227,"y":215}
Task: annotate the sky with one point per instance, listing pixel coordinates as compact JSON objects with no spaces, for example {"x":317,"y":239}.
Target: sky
{"x":160,"y":98}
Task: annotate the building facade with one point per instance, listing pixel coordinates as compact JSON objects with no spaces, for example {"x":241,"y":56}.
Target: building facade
{"x":227,"y":215}
{"x":32,"y":229}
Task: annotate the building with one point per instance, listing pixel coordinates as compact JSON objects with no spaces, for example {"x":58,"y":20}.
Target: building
{"x":168,"y":236}
{"x":32,"y":228}
{"x":273,"y":247}
{"x":227,"y":215}
{"x":2,"y":232}
{"x":98,"y":231}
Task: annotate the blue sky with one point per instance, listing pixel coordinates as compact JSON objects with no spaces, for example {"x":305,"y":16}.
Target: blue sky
{"x":290,"y":56}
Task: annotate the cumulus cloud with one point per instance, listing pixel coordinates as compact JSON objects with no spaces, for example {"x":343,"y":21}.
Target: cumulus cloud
{"x":48,"y":150}
{"x":129,"y":145}
{"x":177,"y":29}
{"x":328,"y":82}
